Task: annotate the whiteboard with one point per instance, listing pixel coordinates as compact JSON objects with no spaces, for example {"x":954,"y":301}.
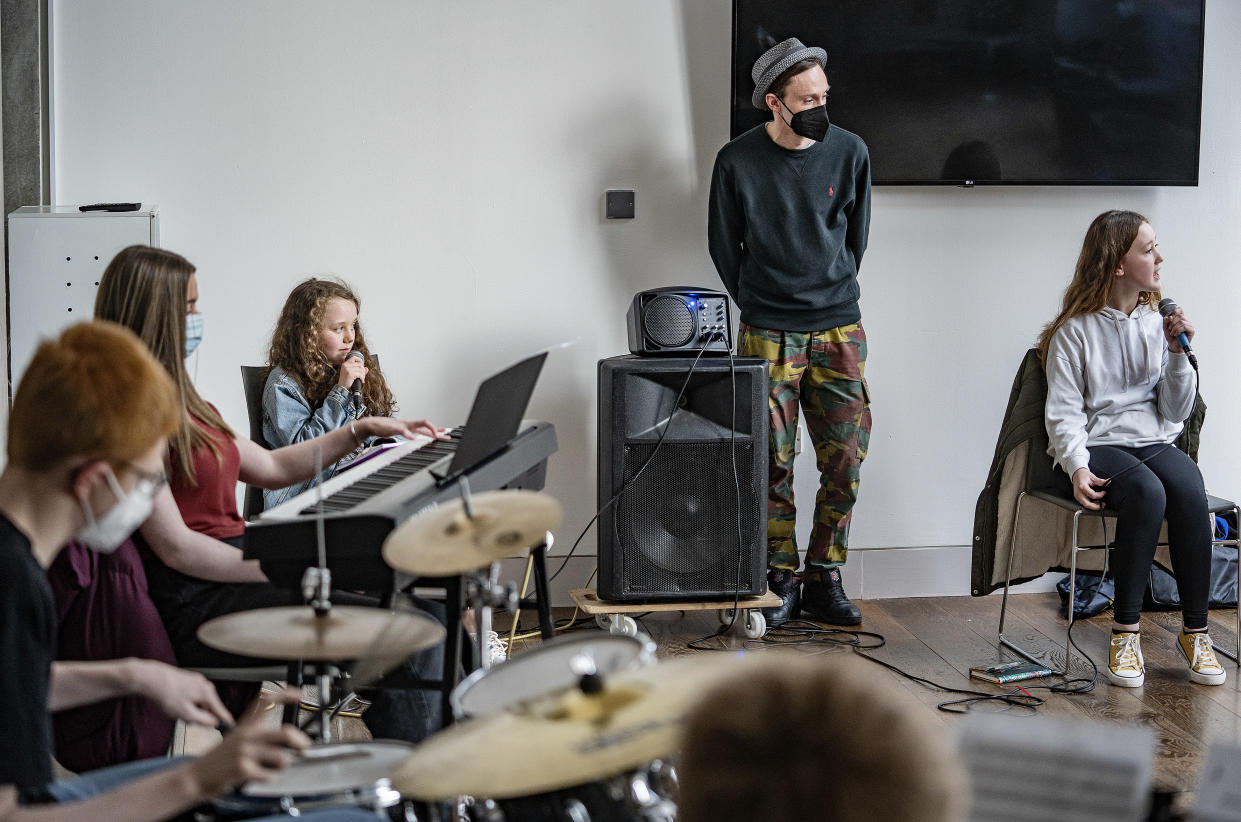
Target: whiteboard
{"x":56,"y":257}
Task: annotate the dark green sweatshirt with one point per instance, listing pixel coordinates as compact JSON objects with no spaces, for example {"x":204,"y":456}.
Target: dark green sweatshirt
{"x":787,"y":229}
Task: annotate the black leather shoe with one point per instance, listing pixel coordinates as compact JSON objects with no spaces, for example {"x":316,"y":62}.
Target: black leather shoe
{"x":824,"y":600}
{"x":785,"y":585}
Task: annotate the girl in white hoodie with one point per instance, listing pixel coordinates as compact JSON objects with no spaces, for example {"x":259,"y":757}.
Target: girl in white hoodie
{"x":1119,"y":389}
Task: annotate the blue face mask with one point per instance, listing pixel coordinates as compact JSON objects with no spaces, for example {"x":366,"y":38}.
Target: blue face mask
{"x":193,"y":332}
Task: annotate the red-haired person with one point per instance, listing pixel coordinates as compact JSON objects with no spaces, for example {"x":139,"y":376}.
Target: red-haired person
{"x":90,"y":472}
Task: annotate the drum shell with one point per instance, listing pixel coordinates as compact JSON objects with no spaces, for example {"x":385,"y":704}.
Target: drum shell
{"x":647,"y":794}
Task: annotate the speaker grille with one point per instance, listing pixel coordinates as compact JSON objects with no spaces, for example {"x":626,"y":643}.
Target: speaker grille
{"x":676,"y":528}
{"x":669,"y":322}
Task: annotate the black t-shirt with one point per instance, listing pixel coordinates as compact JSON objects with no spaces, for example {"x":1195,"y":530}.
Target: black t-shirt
{"x":27,"y":648}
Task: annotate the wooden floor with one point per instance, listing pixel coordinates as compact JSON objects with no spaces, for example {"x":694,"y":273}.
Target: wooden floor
{"x":940,"y":638}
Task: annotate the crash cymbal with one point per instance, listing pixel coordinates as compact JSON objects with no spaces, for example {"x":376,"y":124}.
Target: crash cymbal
{"x":347,"y":632}
{"x":566,"y":738}
{"x":444,"y":541}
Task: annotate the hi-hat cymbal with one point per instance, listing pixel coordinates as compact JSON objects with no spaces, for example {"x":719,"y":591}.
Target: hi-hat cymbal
{"x":346,"y":632}
{"x":563,"y":739}
{"x":444,"y":541}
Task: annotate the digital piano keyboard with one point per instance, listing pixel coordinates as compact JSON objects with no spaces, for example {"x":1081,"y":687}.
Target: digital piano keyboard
{"x":365,"y":503}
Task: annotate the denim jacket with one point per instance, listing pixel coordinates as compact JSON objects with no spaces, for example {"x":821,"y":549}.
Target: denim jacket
{"x":289,"y":418}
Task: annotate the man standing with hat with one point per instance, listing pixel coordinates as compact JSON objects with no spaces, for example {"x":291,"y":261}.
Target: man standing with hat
{"x":787,"y":226}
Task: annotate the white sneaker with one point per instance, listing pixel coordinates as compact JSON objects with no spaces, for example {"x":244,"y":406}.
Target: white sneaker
{"x":1125,"y":666}
{"x":1204,"y":668}
{"x":496,"y":650}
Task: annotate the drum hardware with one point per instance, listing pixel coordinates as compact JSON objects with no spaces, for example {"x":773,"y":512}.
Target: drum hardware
{"x":377,"y":660}
{"x":323,"y":675}
{"x":590,"y":681}
{"x":317,"y":593}
{"x":317,"y":579}
{"x":484,"y":593}
{"x":630,"y":797}
{"x":317,"y":589}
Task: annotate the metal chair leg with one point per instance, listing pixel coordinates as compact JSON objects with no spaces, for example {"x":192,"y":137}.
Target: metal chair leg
{"x":1008,"y":572}
{"x":1008,"y":578}
{"x":1068,"y":644}
{"x":1068,"y":633}
{"x":1235,"y":542}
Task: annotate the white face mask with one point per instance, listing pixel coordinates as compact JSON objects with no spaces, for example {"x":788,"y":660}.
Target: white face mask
{"x":107,"y":533}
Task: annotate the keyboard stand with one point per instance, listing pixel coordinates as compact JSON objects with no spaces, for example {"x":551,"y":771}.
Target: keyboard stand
{"x":542,"y":590}
{"x":457,"y":655}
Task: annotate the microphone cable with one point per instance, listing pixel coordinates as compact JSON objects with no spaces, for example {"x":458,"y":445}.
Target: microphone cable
{"x":724,"y":628}
{"x":803,"y":632}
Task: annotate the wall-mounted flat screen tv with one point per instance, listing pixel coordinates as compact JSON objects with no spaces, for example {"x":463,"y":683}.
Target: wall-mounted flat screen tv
{"x":1042,"y":92}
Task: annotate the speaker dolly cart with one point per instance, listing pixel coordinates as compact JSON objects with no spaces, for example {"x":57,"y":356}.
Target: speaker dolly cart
{"x":614,"y":617}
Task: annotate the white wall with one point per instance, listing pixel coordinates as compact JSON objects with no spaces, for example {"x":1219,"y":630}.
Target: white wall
{"x":449,"y":160}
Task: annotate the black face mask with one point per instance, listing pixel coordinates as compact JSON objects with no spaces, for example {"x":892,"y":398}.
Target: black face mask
{"x":810,"y":123}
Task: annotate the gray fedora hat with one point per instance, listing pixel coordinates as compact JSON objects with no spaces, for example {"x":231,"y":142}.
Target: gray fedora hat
{"x":777,"y":60}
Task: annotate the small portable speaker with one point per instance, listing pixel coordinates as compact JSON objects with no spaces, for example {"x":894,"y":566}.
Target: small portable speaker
{"x":679,"y":319}
{"x":673,"y":533}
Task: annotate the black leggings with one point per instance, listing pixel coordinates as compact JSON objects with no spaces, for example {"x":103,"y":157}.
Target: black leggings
{"x":1168,"y":486}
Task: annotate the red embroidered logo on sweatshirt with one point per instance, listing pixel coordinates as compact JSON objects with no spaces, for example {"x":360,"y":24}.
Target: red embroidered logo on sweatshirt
{"x":831,"y":191}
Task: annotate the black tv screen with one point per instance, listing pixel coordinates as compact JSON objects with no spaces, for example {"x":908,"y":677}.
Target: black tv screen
{"x":1078,"y":92}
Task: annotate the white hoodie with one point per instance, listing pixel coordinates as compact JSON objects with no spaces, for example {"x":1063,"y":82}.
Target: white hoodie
{"x":1111,"y":380}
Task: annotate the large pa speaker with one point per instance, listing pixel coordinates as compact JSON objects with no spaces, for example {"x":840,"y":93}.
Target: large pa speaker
{"x":679,"y":319}
{"x":672,"y":534}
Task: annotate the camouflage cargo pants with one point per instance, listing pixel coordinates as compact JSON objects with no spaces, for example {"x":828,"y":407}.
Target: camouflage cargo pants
{"x":823,"y":374}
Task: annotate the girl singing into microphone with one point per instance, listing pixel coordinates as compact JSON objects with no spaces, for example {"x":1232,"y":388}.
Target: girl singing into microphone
{"x":1119,"y":389}
{"x":317,"y":354}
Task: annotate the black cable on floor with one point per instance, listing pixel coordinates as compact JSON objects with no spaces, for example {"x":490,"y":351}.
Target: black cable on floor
{"x":802,"y":632}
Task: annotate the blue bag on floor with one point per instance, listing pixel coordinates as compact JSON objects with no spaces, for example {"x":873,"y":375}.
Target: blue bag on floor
{"x":1163,"y":595}
{"x":1092,"y":596}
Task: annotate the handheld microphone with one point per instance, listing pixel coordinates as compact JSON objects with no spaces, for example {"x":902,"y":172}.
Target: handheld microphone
{"x":1166,"y":308}
{"x":356,"y":388}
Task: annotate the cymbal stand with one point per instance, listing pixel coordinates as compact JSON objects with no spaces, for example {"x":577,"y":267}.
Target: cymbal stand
{"x":483,"y":592}
{"x":317,"y":592}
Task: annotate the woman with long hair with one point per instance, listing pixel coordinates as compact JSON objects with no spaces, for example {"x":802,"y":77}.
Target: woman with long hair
{"x":317,"y":353}
{"x":191,"y":543}
{"x":1119,"y":389}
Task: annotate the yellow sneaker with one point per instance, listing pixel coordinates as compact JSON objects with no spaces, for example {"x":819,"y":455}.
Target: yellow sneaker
{"x":1204,"y":668}
{"x":1125,"y":666}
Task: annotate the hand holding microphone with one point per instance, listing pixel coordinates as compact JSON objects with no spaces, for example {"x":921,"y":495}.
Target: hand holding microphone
{"x":352,"y":371}
{"x":1177,"y":329}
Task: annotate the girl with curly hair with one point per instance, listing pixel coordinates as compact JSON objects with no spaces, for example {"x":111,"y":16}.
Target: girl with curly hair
{"x":307,"y":393}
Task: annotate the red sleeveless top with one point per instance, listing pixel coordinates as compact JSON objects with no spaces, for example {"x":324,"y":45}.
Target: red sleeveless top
{"x":210,"y":507}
